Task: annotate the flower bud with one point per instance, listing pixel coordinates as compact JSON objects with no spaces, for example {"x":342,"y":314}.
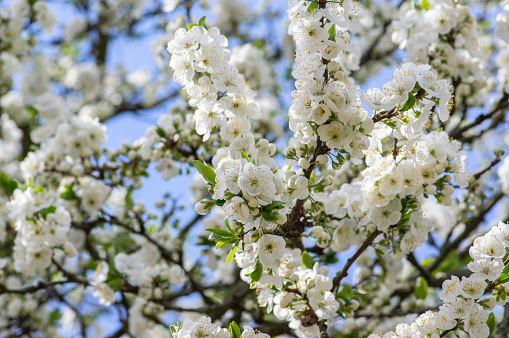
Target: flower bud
{"x":431,"y":189}
{"x":69,"y":250}
{"x":447,"y":201}
{"x":78,"y":170}
{"x":397,"y":255}
{"x":322,"y":159}
{"x":281,"y":218}
{"x":289,"y":151}
{"x":326,"y":180}
{"x":263,"y":143}
{"x":272,"y":149}
{"x":287,"y":175}
{"x":302,"y":182}
{"x":303,"y":163}
{"x":453,"y":167}
{"x":203,"y":207}
{"x":367,"y":126}
{"x":316,"y":231}
{"x":253,"y":203}
{"x":447,"y":190}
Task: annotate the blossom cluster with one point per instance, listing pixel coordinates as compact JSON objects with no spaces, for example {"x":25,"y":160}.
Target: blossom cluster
{"x":203,"y":327}
{"x":464,"y":305}
{"x":307,"y":296}
{"x":41,"y":225}
{"x":325,"y":103}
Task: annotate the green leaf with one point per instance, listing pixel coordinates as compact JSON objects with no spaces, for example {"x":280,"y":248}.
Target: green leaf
{"x":227,"y":225}
{"x":312,"y":6}
{"x":68,"y":194}
{"x":54,"y":315}
{"x":403,"y":204}
{"x":191,"y":25}
{"x":7,"y":184}
{"x":219,"y":202}
{"x":231,"y":254}
{"x":234,"y":330}
{"x":409,"y":104}
{"x":202,"y":22}
{"x":244,"y":155}
{"x":115,"y":283}
{"x":451,"y":262}
{"x":160,"y":132}
{"x":129,"y":203}
{"x":332,"y":33}
{"x":268,"y":215}
{"x":256,"y":274}
{"x":49,"y":210}
{"x":32,"y":111}
{"x":274,"y":205}
{"x":491,"y":323}
{"x":421,"y":288}
{"x":174,"y":330}
{"x":307,"y":260}
{"x":425,"y":4}
{"x":330,"y":257}
{"x":221,"y":233}
{"x":224,"y":243}
{"x":207,"y":172}
{"x":504,"y":276}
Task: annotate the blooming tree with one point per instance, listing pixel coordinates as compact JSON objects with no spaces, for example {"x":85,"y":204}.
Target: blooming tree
{"x":333,"y":211}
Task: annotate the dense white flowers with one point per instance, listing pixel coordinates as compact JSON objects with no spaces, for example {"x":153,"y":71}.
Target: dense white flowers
{"x":464,"y":306}
{"x":320,"y":213}
{"x":40,"y":226}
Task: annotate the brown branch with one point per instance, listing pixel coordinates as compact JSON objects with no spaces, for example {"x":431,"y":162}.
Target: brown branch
{"x":394,"y":313}
{"x":432,"y":281}
{"x":391,"y":113}
{"x":491,"y":165}
{"x":501,"y":105}
{"x":469,"y":227}
{"x":344,"y":272}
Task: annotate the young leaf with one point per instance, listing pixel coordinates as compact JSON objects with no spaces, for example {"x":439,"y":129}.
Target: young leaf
{"x":268,"y":215}
{"x":421,"y":288}
{"x":256,"y":274}
{"x":68,"y":194}
{"x":227,"y":224}
{"x":312,"y":6}
{"x":129,"y":203}
{"x":221,"y":233}
{"x":219,"y":203}
{"x":54,"y":315}
{"x":231,"y":254}
{"x":7,"y":184}
{"x":504,"y":276}
{"x":174,"y":330}
{"x":202,"y":22}
{"x":307,"y":260}
{"x":49,"y":210}
{"x":244,"y":155}
{"x":274,"y":205}
{"x":409,"y":104}
{"x":332,"y":33}
{"x":207,"y":172}
{"x":226,"y":242}
{"x":234,"y":330}
{"x":491,"y":323}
